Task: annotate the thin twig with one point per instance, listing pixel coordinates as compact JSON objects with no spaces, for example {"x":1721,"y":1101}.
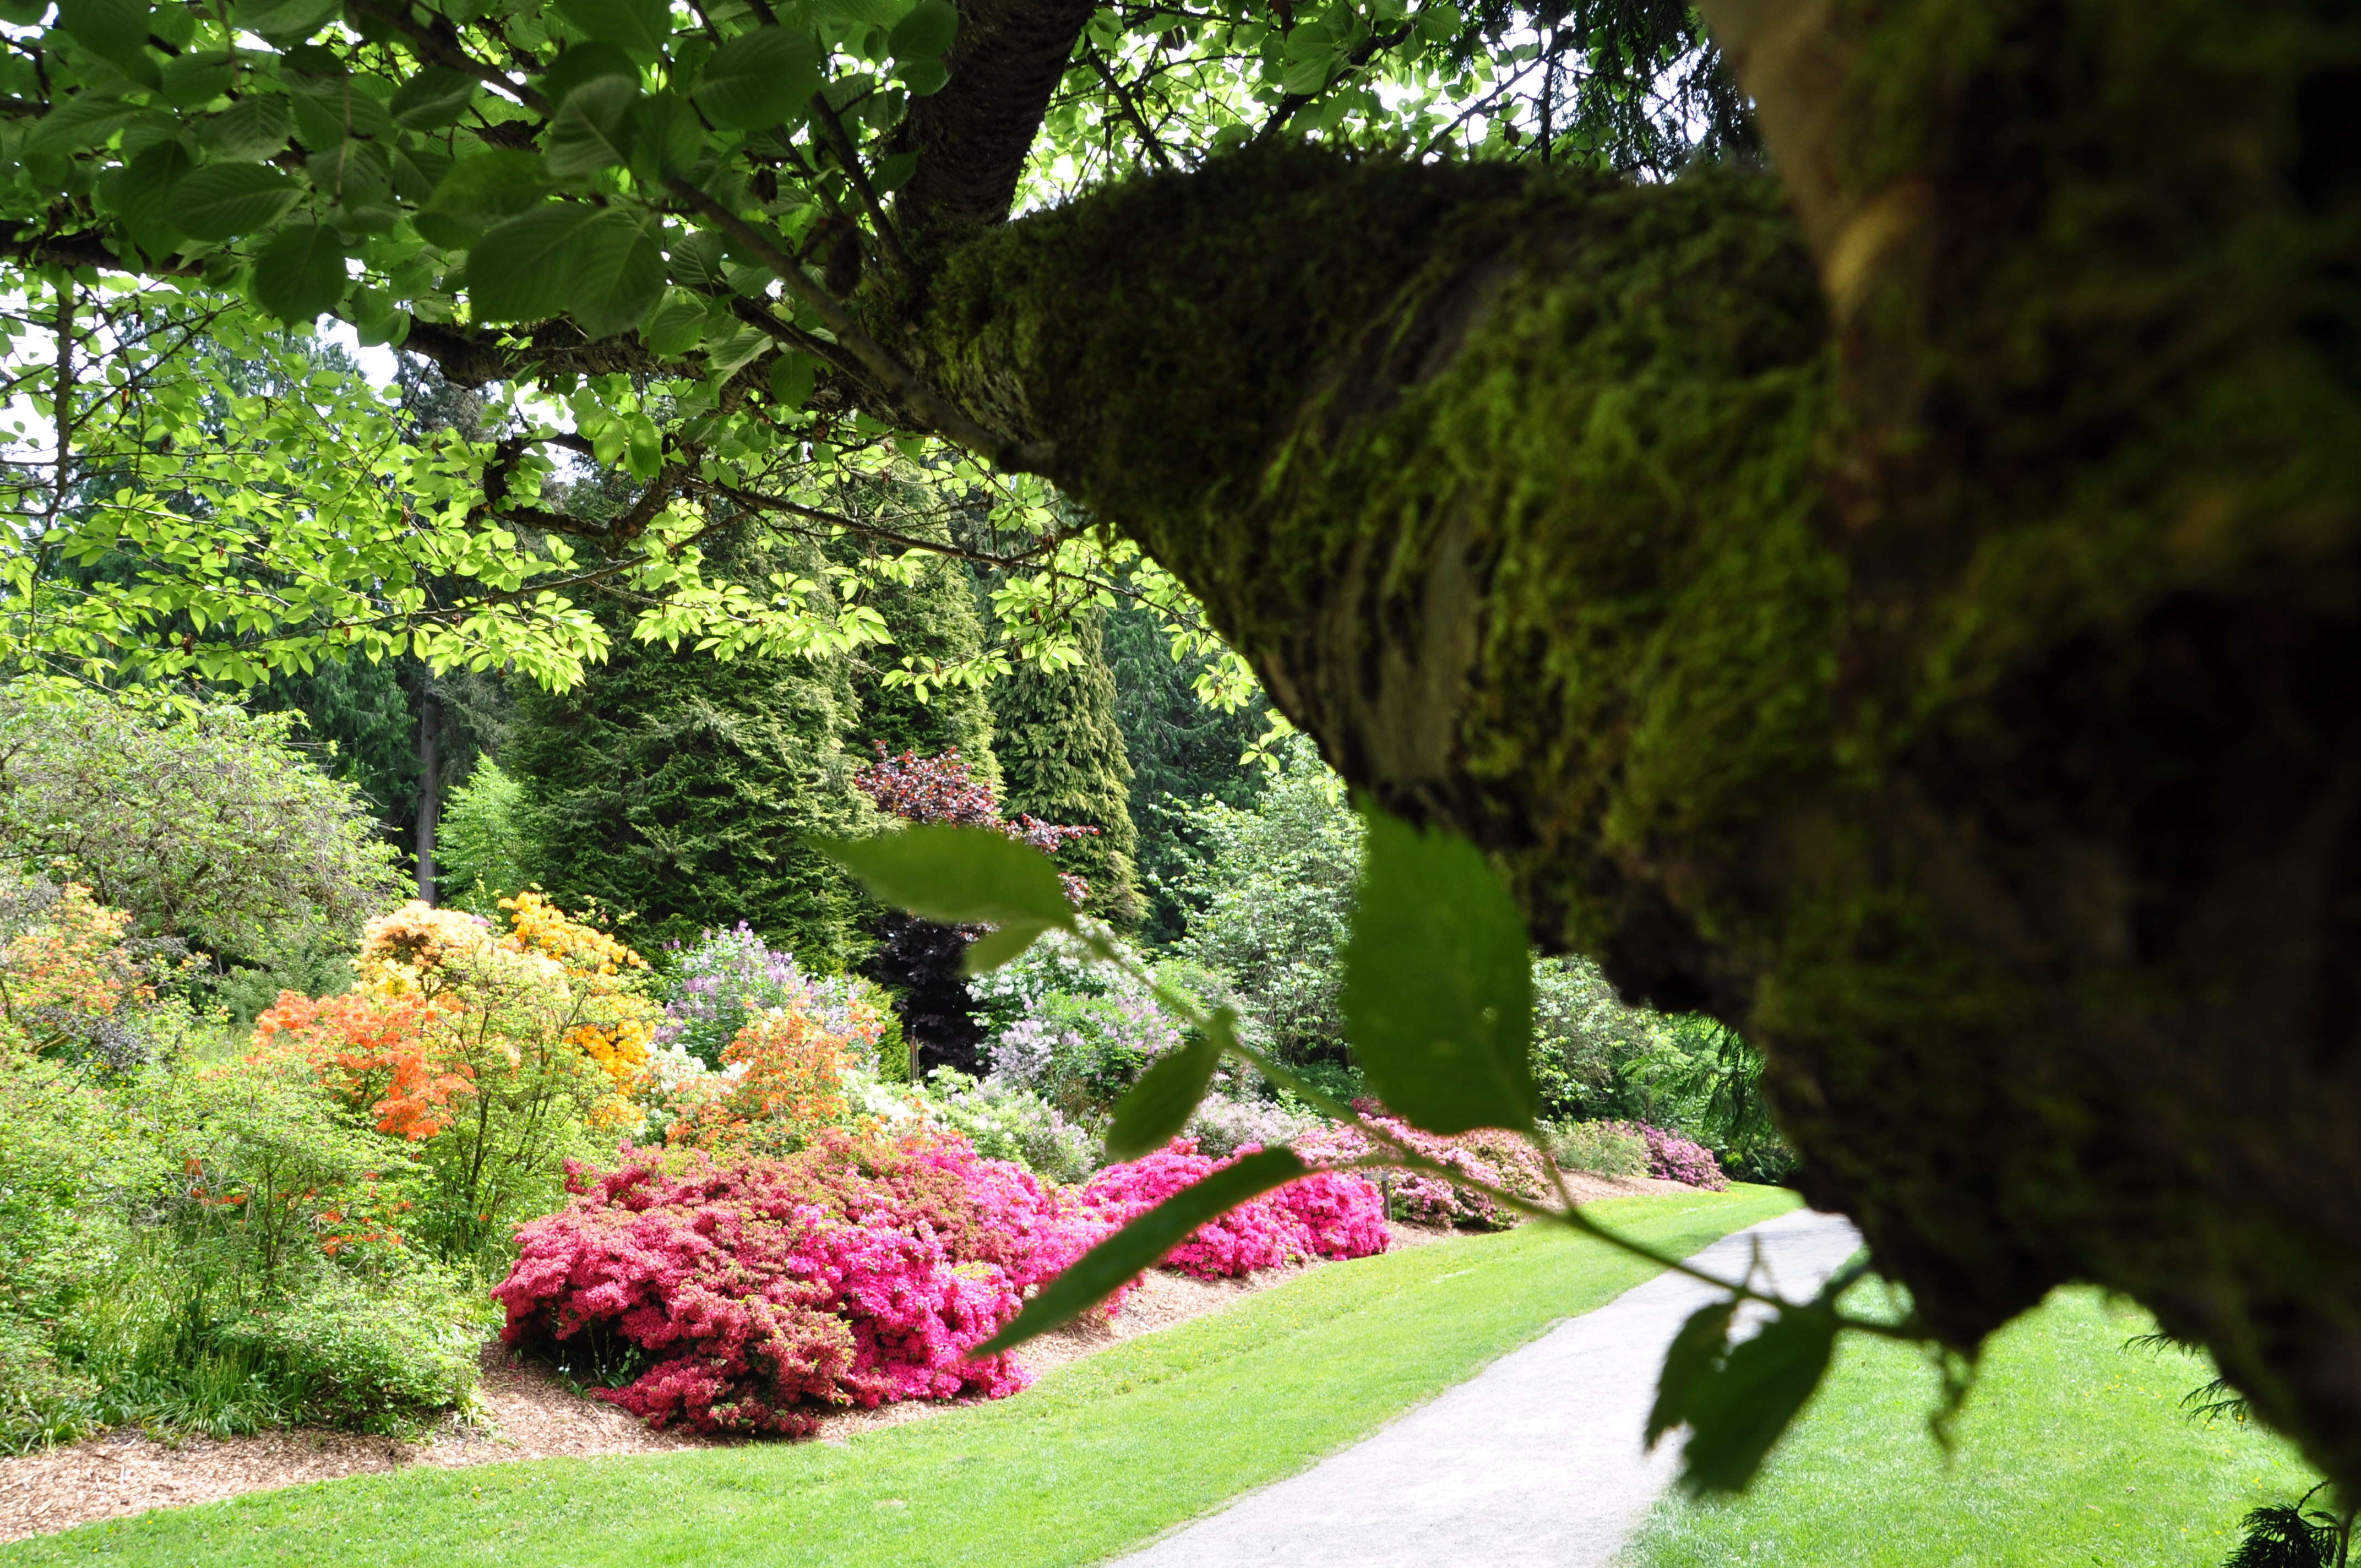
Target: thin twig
{"x":1130,"y":109}
{"x":921,"y":400}
{"x":848,"y":157}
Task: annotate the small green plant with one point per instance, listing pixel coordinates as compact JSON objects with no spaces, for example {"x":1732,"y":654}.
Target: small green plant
{"x":1600,"y":1147}
{"x":2295,"y":1535}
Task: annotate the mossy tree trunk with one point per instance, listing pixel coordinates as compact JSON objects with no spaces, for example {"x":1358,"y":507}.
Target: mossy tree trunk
{"x":1905,"y":606}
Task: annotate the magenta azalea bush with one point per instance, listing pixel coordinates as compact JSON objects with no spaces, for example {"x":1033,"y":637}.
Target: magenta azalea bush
{"x":857,"y":1272}
{"x":1325,"y":1214}
{"x":1497,"y":1158}
{"x":1676,"y":1159}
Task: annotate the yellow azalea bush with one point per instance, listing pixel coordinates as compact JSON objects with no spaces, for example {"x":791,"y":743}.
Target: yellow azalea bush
{"x":495,"y":1056}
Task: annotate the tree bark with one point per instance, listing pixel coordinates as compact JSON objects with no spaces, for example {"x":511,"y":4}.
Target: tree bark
{"x":1901,"y":607}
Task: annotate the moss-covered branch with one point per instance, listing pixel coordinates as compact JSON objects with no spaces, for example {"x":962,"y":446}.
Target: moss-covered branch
{"x":1937,"y":686}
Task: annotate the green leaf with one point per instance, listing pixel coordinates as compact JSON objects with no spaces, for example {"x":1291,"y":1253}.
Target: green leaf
{"x":248,"y":130}
{"x":737,"y":351}
{"x":1438,"y":982}
{"x":791,"y":379}
{"x":1695,"y":1355}
{"x":143,"y":193}
{"x":586,"y":62}
{"x":696,"y":261}
{"x":1737,"y":1412}
{"x":957,"y":875}
{"x":599,"y":265}
{"x":1001,"y":945}
{"x":300,"y":273}
{"x":924,"y":78}
{"x":763,"y":78}
{"x":436,"y":96}
{"x":223,"y":201}
{"x":666,"y":135}
{"x":285,"y":20}
{"x":493,"y":185}
{"x":675,"y":326}
{"x":113,"y":29}
{"x":592,"y":129}
{"x":419,"y":171}
{"x":78,"y":124}
{"x":925,"y":33}
{"x":193,"y":81}
{"x":641,"y":27}
{"x":1140,"y":1245}
{"x":328,"y":112}
{"x":616,"y":272}
{"x":1152,"y":1113}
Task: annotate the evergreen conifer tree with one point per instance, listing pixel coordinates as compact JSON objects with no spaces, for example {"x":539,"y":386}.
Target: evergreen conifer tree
{"x":1063,"y":759}
{"x":932,"y":619}
{"x":684,"y":789}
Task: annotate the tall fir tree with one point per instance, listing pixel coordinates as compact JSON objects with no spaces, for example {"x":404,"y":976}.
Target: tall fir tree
{"x":1063,"y":759}
{"x":685,"y":790}
{"x":932,"y":620}
{"x":1181,"y":752}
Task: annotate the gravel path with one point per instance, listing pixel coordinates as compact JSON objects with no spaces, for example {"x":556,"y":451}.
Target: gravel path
{"x":1535,"y":1462}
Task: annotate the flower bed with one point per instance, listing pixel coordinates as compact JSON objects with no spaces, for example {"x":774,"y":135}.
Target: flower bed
{"x":856,"y":1273}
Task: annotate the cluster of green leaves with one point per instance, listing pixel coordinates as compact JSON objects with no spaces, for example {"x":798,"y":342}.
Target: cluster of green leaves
{"x":1438,"y":1004}
{"x":652,"y":196}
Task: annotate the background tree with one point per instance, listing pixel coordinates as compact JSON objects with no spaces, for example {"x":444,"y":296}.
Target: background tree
{"x":1184,"y":750}
{"x":682,"y":789}
{"x":1061,"y":758}
{"x":200,"y":821}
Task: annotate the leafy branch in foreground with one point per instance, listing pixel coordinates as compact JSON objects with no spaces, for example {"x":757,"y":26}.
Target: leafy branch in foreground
{"x":1438,"y":1007}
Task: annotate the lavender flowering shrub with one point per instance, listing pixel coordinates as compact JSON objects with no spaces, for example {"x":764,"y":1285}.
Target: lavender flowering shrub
{"x":731,"y":977}
{"x":1222,"y":1127}
{"x":1075,"y":1033}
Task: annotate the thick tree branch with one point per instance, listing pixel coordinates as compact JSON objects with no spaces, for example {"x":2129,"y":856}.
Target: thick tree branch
{"x":972,"y":137}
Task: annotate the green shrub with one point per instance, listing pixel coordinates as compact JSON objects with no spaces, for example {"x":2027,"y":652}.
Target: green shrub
{"x":1599,"y":1148}
{"x":378,"y":1355}
{"x":480,"y":843}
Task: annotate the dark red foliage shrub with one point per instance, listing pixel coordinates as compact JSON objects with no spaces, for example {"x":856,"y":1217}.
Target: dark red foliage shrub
{"x":920,"y":961}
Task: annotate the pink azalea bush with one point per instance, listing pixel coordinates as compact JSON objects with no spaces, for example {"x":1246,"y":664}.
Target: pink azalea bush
{"x":1325,"y":1214}
{"x":858,"y":1273}
{"x":1499,"y":1159}
{"x":1676,"y":1159}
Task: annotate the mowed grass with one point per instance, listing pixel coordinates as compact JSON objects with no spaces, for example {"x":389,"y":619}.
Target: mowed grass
{"x":1098,"y":1456}
{"x":2073,"y":1453}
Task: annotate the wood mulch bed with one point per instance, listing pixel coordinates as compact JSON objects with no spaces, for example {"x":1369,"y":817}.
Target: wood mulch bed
{"x":526,"y":1412}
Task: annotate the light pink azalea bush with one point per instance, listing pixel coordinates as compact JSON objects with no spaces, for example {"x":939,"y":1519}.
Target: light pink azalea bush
{"x":1676,"y":1159}
{"x":1497,"y":1158}
{"x":857,"y":1272}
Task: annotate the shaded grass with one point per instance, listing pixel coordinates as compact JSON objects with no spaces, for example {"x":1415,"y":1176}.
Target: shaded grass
{"x":1100,"y":1455}
{"x":2073,"y":1450}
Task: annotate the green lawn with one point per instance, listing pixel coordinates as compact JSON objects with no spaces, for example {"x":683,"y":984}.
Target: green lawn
{"x":2073,"y":1454}
{"x":1099,"y":1456}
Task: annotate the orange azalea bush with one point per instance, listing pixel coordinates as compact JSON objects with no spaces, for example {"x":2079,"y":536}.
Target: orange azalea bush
{"x":71,"y":972}
{"x":783,"y":1077}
